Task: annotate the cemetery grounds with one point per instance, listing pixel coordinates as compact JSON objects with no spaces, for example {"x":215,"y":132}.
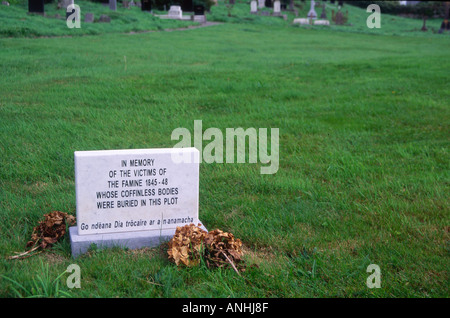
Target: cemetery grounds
{"x":363,"y":176}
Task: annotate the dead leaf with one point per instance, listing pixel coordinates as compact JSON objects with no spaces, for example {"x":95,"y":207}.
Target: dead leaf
{"x":186,"y":245}
{"x":218,"y":248}
{"x":49,"y":231}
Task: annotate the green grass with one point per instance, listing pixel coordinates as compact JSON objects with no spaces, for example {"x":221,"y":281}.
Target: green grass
{"x":364,"y":161}
{"x":390,"y":24}
{"x":16,"y":23}
{"x":357,"y":17}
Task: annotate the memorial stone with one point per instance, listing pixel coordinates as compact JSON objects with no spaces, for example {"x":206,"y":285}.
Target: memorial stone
{"x":133,"y":198}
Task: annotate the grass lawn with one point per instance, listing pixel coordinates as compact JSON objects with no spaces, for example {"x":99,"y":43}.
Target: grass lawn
{"x":364,"y":154}
{"x":16,"y":23}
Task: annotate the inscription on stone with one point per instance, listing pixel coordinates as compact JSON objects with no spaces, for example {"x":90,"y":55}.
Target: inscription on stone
{"x":135,"y":190}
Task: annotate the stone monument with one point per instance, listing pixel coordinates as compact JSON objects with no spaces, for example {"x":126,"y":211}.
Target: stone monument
{"x":253,"y":7}
{"x":133,"y":198}
{"x":113,"y":5}
{"x":312,"y":12}
{"x":277,"y":8}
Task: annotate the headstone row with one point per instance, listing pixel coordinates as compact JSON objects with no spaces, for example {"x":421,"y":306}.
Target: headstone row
{"x":254,"y":5}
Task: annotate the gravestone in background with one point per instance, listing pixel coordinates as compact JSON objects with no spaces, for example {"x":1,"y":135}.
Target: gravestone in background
{"x":113,"y":5}
{"x":324,"y":13}
{"x":36,"y":6}
{"x":133,"y":198}
{"x":339,"y":18}
{"x":276,"y":7}
{"x":253,"y":7}
{"x":175,"y":12}
{"x":89,"y":17}
{"x":199,"y":14}
{"x":312,"y":12}
{"x":261,"y":3}
{"x":445,"y":25}
{"x":302,"y":21}
{"x":321,"y":22}
{"x":104,"y":18}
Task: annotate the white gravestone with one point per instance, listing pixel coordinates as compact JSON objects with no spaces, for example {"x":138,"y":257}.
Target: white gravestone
{"x":133,"y":198}
{"x":312,"y":12}
{"x":321,"y":22}
{"x":253,"y":6}
{"x":175,"y":12}
{"x":261,"y":3}
{"x":301,"y":21}
{"x":277,"y":8}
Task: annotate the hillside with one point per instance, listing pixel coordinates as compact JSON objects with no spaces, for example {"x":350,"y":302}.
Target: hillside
{"x":15,"y":22}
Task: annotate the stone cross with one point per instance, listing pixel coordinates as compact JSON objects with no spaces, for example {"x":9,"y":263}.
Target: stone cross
{"x":312,"y":13}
